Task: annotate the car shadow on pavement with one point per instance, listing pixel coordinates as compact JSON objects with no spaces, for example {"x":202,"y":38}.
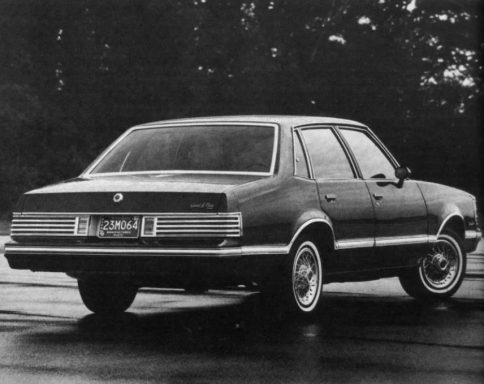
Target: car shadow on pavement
{"x":371,"y":338}
{"x":228,"y":328}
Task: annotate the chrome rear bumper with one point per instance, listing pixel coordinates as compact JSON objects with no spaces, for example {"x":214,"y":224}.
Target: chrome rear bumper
{"x":170,"y":266}
{"x":52,"y":250}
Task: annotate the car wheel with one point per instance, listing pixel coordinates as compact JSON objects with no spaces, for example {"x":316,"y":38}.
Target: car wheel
{"x":306,"y":276}
{"x":106,"y":295}
{"x":296,"y":285}
{"x":440,"y":272}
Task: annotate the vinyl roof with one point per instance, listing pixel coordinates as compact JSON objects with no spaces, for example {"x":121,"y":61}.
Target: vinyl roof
{"x":278,"y":119}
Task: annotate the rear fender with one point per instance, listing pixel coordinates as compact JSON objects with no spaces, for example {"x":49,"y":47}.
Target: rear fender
{"x":309,"y":220}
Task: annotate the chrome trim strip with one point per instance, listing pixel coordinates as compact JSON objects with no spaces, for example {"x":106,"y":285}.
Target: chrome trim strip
{"x":94,"y":175}
{"x":209,"y":215}
{"x":46,"y":221}
{"x":442,"y":225}
{"x":124,"y":251}
{"x":294,"y":133}
{"x":197,"y":230}
{"x":87,"y":172}
{"x":233,"y":226}
{"x":355,"y":243}
{"x":384,"y":241}
{"x":41,"y":225}
{"x":472,"y":234}
{"x":252,"y":250}
{"x":206,"y":252}
{"x":50,"y":229}
{"x":301,"y":228}
{"x":165,"y":214}
{"x":57,"y":234}
{"x":401,"y":240}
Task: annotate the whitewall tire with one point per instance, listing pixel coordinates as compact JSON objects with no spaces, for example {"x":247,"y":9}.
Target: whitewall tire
{"x":307,"y":276}
{"x":440,"y":272}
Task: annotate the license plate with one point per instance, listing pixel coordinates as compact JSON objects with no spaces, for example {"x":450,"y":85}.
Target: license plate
{"x":119,"y":227}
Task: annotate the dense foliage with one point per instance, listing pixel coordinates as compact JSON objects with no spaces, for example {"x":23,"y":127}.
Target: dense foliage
{"x":75,"y":74}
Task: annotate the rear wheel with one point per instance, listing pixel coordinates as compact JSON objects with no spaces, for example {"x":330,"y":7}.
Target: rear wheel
{"x":307,"y":276}
{"x":297,"y":288}
{"x":440,"y":272}
{"x":106,"y":295}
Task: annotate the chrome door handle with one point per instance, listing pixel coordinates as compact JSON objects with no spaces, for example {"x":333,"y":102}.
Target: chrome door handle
{"x":378,"y":196}
{"x":330,"y":197}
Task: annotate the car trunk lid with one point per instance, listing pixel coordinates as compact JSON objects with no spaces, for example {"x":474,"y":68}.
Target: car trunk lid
{"x":136,"y":194}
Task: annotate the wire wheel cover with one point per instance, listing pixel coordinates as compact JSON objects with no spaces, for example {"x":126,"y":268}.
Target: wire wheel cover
{"x":441,"y":267}
{"x":306,"y":276}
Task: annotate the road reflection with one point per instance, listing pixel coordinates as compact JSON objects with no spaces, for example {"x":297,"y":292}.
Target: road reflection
{"x":342,"y":317}
{"x":355,"y":338}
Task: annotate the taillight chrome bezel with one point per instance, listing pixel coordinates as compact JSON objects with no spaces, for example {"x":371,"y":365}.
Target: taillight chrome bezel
{"x":49,"y":225}
{"x":192,"y":225}
{"x":82,"y":225}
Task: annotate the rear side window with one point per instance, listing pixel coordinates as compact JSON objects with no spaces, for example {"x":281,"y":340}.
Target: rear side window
{"x":372,"y":161}
{"x":300,"y":160}
{"x":328,"y":158}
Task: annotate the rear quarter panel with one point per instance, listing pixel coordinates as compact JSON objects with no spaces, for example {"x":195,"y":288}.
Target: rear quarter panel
{"x":273,"y":210}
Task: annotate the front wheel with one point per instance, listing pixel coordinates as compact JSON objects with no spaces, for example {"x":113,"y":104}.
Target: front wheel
{"x":440,"y":272}
{"x":107,"y":295}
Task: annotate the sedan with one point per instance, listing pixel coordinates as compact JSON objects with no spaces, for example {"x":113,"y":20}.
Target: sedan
{"x":281,"y":204}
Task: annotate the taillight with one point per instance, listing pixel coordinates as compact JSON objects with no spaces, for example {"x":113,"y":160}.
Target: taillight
{"x":82,"y":226}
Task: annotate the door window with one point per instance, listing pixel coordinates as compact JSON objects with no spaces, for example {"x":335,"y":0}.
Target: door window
{"x":328,"y":158}
{"x":373,"y":163}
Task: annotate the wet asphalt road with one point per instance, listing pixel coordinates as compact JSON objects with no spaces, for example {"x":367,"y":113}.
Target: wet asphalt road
{"x":367,"y":333}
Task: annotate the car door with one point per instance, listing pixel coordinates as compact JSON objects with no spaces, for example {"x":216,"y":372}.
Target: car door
{"x":400,"y":210}
{"x":343,"y":197}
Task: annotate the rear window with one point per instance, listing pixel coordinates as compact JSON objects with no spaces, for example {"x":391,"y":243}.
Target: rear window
{"x":217,"y":148}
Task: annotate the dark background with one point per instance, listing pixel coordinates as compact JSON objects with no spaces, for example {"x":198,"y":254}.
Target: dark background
{"x":75,"y":74}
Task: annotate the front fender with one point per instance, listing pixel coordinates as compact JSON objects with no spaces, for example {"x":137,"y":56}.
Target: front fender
{"x":448,"y":206}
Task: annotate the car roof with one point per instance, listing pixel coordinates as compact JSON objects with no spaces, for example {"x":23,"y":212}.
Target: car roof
{"x":285,"y":120}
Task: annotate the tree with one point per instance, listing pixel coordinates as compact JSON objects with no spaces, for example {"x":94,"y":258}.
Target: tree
{"x":74,"y":75}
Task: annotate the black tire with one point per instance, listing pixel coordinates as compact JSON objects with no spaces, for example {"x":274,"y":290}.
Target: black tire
{"x":106,"y":295}
{"x":440,"y":273}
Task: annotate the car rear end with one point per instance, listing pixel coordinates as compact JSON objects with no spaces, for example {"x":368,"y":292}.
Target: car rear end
{"x":154,"y":207}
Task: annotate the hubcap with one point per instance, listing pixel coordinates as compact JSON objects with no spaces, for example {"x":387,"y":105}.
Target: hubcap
{"x":306,"y":276}
{"x":441,"y":266}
